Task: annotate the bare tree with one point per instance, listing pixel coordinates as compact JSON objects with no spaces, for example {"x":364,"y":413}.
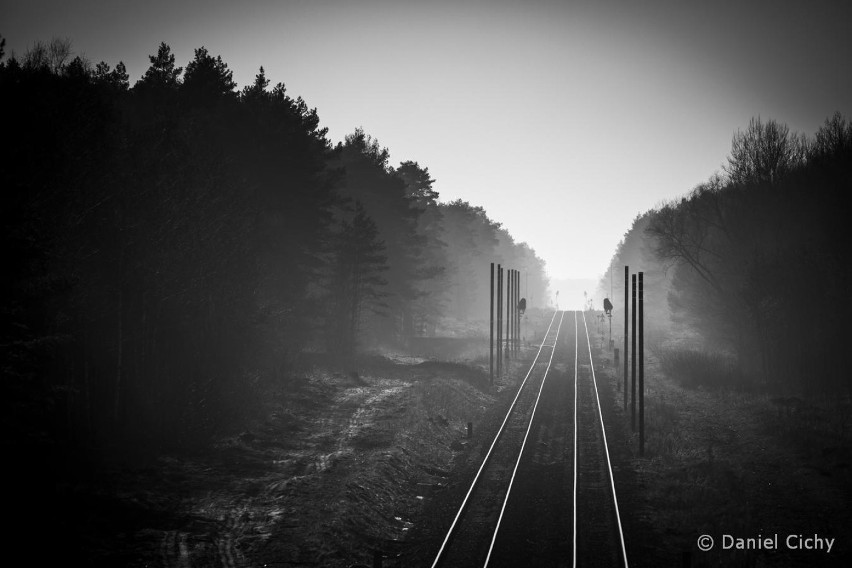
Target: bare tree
{"x":683,"y":232}
{"x":764,"y":152}
{"x":833,"y":138}
{"x":52,"y":56}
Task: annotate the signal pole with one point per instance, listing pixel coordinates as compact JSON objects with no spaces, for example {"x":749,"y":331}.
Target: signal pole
{"x":633,"y":361}
{"x":517,"y":312}
{"x":626,"y":311}
{"x":491,"y":329}
{"x":641,"y":368}
{"x":499,"y":344}
{"x":509,"y":313}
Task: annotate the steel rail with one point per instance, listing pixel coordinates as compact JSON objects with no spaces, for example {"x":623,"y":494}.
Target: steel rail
{"x":523,"y":443}
{"x":473,"y":484}
{"x":606,"y":452}
{"x":574,"y":512}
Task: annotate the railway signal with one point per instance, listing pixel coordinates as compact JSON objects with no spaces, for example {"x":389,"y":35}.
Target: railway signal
{"x":504,"y":342}
{"x":608,"y":311}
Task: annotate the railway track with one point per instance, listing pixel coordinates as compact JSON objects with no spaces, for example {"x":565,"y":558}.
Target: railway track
{"x":599,"y":539}
{"x":544,"y":494}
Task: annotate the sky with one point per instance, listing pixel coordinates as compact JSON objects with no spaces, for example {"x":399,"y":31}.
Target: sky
{"x":563,"y":119}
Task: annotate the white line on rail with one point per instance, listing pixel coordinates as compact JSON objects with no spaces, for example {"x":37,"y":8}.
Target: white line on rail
{"x":606,"y":448}
{"x":524,"y":442}
{"x":574,"y":522}
{"x":491,"y":448}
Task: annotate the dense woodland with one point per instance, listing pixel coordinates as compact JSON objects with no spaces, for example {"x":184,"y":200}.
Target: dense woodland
{"x":752,"y":266}
{"x":173,"y":246}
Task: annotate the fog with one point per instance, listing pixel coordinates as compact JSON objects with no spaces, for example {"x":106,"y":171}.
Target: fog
{"x":744,"y":271}
{"x":231,"y":340}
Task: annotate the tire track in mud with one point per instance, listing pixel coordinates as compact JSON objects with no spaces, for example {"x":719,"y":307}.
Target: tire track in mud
{"x":173,"y":550}
{"x":216,"y":546}
{"x":232,"y":532}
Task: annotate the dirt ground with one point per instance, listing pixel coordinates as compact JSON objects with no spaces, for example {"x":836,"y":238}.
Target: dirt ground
{"x":340,"y":468}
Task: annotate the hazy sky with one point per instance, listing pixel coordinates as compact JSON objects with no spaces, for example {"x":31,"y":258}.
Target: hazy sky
{"x":563,"y":119}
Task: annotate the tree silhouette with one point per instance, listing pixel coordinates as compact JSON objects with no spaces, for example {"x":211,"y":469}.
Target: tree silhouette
{"x":257,"y":90}
{"x":116,"y":78}
{"x":370,"y":180}
{"x":207,"y":78}
{"x":431,"y":298}
{"x":51,"y":57}
{"x":752,"y":250}
{"x":173,"y":248}
{"x":162,"y":73}
{"x":765,"y":152}
{"x":357,"y":283}
{"x":833,"y":140}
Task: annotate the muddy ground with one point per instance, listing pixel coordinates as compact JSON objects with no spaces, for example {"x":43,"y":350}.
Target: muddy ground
{"x":338,"y":468}
{"x":348,"y":462}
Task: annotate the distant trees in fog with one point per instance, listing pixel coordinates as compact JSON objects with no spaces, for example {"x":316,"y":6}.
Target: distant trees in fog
{"x":756,"y":260}
{"x":356,"y":282}
{"x":172,"y":247}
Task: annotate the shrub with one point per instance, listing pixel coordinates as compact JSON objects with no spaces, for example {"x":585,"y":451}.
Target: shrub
{"x":693,"y":368}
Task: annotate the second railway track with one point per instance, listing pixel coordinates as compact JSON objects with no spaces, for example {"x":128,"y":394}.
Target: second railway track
{"x":544,"y":494}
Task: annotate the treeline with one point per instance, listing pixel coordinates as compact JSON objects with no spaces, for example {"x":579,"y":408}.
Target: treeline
{"x":754,"y":263}
{"x":172,"y":247}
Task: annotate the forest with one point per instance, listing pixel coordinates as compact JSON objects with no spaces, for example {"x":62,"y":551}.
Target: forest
{"x":745,"y":275}
{"x":175,"y":246}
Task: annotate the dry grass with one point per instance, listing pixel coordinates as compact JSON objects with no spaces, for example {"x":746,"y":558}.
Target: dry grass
{"x":722,"y":460}
{"x":693,"y":368}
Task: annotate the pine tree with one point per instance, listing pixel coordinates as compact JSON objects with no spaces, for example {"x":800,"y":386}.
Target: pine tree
{"x":162,"y":72}
{"x":357,"y":284}
{"x":207,"y":78}
{"x":257,"y":90}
